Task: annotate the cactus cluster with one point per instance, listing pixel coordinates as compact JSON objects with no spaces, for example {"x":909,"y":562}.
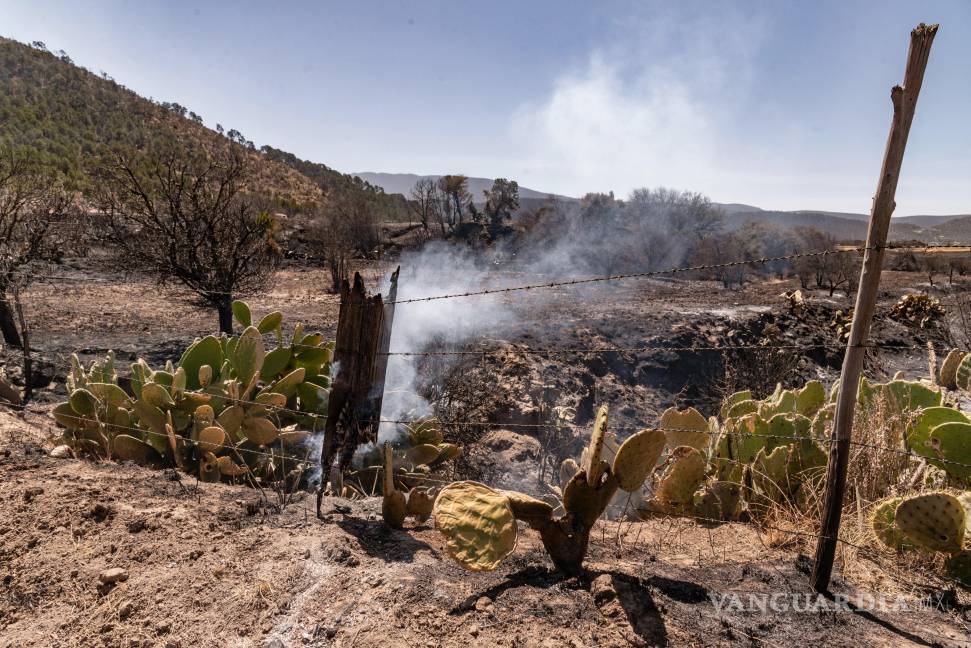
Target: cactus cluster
{"x":917,"y":309}
{"x":397,"y":505}
{"x":419,"y":454}
{"x":479,"y":523}
{"x":228,"y":408}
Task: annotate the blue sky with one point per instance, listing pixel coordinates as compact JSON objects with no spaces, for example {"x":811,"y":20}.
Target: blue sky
{"x":784,"y":105}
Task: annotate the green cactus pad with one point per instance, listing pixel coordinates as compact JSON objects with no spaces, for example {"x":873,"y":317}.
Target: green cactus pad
{"x":882,"y":522}
{"x":684,"y":473}
{"x":919,"y":432}
{"x":422,"y":455}
{"x":962,"y":377}
{"x":110,"y":394}
{"x":770,"y":477}
{"x":128,"y":448}
{"x":66,"y":416}
{"x":207,"y":351}
{"x":478,"y":524}
{"x":275,"y":362}
{"x":685,"y":428}
{"x":637,"y":457}
{"x":84,"y":402}
{"x":810,"y":398}
{"x":230,"y":419}
{"x":288,"y":384}
{"x":157,"y":395}
{"x":242,"y":313}
{"x":951,"y":447}
{"x":934,"y":521}
{"x":427,"y":431}
{"x":259,"y":430}
{"x":742,"y":408}
{"x":270,"y":322}
{"x":248,"y":356}
{"x":733,"y":400}
{"x":150,"y":416}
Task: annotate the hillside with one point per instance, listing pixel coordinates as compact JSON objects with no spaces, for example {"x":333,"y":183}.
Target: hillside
{"x":69,"y":116}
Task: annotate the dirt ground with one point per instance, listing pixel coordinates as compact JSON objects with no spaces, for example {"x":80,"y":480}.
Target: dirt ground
{"x":207,"y":565}
{"x":211,"y":565}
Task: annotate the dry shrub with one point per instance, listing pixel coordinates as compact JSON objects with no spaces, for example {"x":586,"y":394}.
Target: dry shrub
{"x":759,"y":370}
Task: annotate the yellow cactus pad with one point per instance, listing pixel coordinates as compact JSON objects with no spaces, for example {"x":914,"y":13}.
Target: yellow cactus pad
{"x":636,"y":458}
{"x":682,"y":476}
{"x":212,"y":439}
{"x":478,"y":524}
{"x":685,"y":428}
{"x":933,"y":521}
{"x":591,"y":459}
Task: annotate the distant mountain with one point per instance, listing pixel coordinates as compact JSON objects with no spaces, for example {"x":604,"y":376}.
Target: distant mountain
{"x":848,"y":226}
{"x":401,"y":183}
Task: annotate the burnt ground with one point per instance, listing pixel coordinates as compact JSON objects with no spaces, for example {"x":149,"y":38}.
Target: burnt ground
{"x":210,"y":566}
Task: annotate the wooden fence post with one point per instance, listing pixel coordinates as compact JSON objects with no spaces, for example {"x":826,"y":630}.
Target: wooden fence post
{"x":360,"y":361}
{"x":904,"y":102}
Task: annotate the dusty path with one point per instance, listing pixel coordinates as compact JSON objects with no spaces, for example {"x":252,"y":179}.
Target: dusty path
{"x":209,"y":567}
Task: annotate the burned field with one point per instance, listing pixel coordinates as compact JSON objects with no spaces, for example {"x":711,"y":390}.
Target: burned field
{"x":252,"y":570}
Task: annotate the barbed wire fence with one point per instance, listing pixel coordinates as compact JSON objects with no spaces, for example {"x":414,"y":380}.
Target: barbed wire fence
{"x":759,"y":526}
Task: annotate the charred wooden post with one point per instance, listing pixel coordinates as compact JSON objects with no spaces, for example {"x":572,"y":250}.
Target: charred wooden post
{"x":904,"y":103}
{"x":360,"y":364}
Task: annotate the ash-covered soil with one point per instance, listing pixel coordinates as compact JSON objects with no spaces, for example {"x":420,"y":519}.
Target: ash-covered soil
{"x":212,"y":566}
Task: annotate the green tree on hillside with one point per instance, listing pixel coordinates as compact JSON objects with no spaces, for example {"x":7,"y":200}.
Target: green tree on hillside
{"x":501,"y":201}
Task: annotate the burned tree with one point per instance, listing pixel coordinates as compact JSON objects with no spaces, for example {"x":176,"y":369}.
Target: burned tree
{"x":185,"y":217}
{"x":361,"y":361}
{"x":36,"y":219}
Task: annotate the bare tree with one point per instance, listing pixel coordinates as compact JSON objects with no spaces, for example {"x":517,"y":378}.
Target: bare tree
{"x":347,"y":225}
{"x":184,"y":216}
{"x":36,"y":221}
{"x":424,"y":201}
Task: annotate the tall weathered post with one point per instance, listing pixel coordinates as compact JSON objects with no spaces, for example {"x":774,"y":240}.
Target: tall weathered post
{"x":360,"y":362}
{"x":904,"y":102}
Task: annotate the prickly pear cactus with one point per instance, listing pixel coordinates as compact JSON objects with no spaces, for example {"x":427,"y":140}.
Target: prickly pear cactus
{"x":685,"y":428}
{"x":637,"y":457}
{"x":679,"y":481}
{"x":478,"y":524}
{"x":882,"y":519}
{"x":934,"y":521}
{"x":949,"y":369}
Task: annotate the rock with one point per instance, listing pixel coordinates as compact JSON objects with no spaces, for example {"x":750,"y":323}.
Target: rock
{"x":275,"y":642}
{"x":125,"y":609}
{"x":113,"y":575}
{"x":61,"y":452}
{"x":99,"y":512}
{"x":484,"y":605}
{"x":33,"y":492}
